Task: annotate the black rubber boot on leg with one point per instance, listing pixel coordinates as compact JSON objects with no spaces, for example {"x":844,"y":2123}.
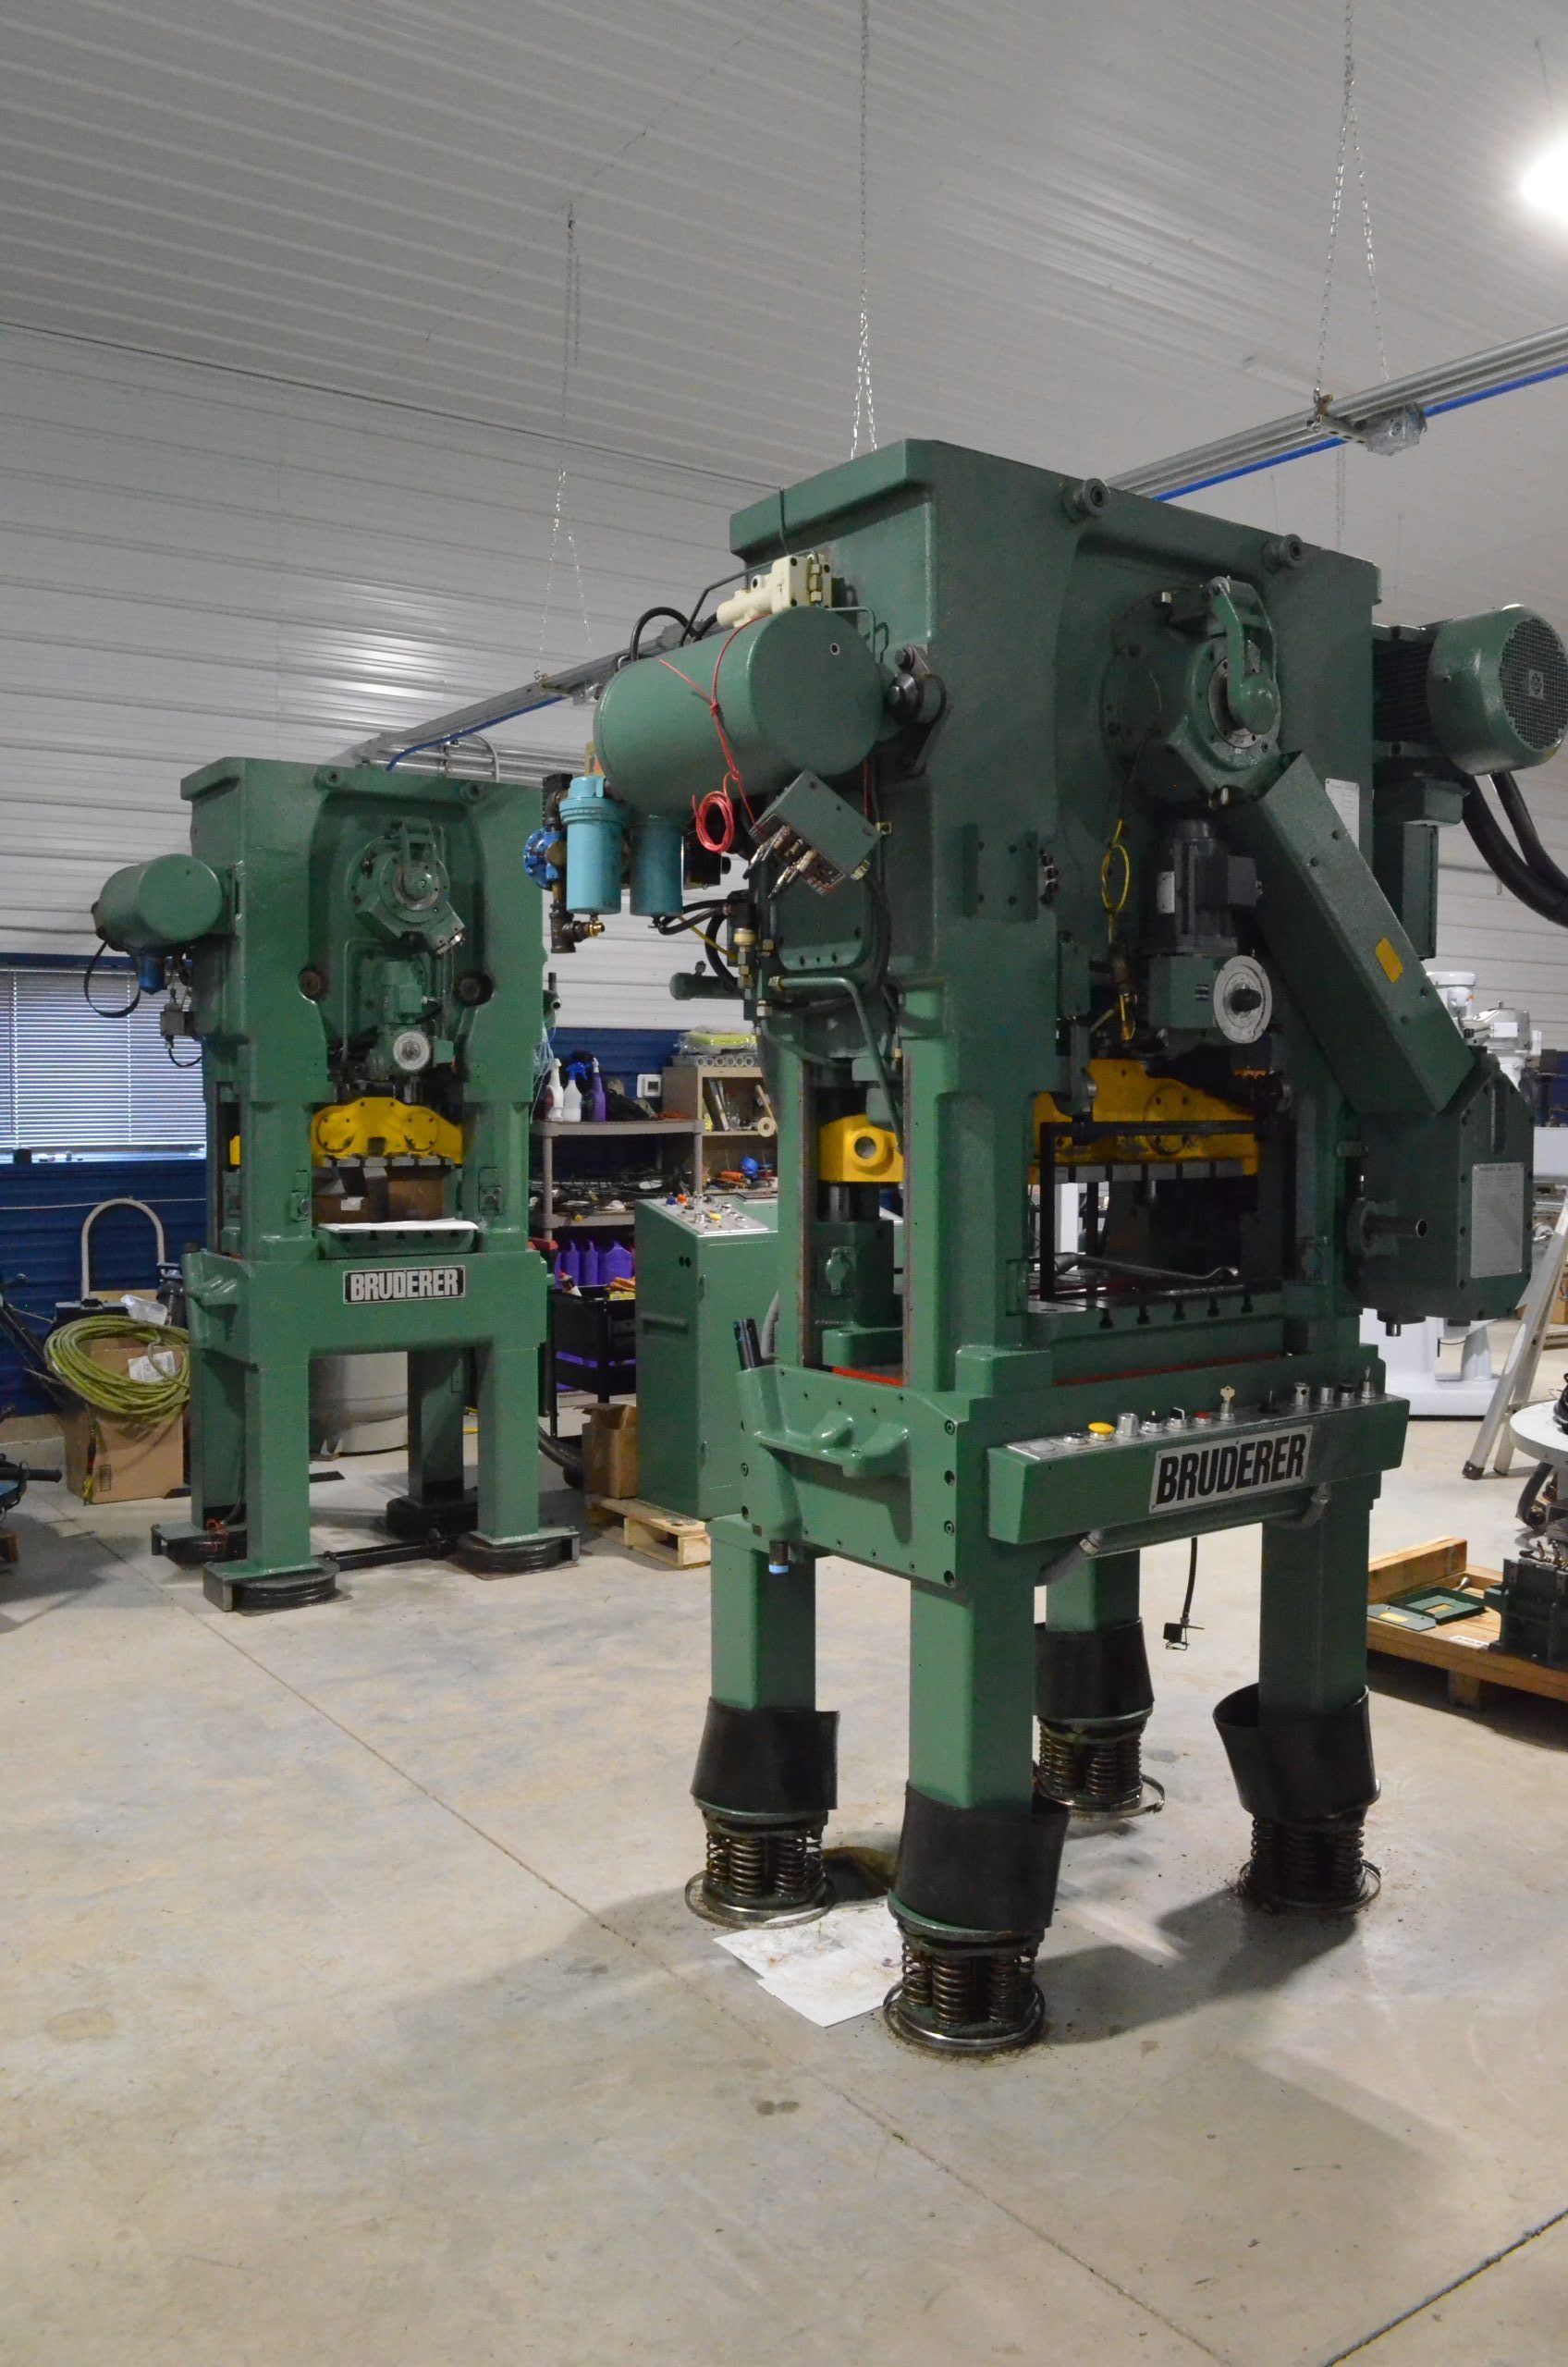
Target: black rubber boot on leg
{"x":1093,"y":1698}
{"x":973,"y":1895}
{"x":1308,"y":1784}
{"x":767,"y":1781}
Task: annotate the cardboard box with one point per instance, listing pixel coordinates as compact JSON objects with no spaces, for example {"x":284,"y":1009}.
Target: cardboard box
{"x":609,"y":1451}
{"x":111,"y":1462}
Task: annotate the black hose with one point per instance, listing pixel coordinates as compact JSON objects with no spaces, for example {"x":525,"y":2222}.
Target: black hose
{"x":1513,"y":800}
{"x":1506,"y":860}
{"x":676,"y":617}
{"x":559,"y":1451}
{"x":121,"y":1010}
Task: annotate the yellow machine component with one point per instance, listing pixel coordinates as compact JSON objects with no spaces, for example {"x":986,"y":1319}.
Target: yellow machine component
{"x":1154,"y":1111}
{"x":376,"y":1126}
{"x":854,"y":1150}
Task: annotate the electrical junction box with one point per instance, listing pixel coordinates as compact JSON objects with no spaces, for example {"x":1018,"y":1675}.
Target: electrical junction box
{"x":701,"y":1270}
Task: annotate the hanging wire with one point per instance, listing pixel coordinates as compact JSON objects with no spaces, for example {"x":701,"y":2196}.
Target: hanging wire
{"x":1349,"y":152}
{"x":865,"y":405}
{"x":561,"y":527}
{"x":1546,"y":83}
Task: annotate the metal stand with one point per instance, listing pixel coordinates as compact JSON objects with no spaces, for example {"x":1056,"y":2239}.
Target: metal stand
{"x":1517,"y":1380}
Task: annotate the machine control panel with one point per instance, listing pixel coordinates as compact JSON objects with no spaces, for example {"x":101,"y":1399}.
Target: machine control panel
{"x":716,"y":1219}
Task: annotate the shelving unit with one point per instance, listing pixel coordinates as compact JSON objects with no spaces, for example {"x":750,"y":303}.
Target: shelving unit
{"x":547,"y":1132}
{"x":702,"y":1091}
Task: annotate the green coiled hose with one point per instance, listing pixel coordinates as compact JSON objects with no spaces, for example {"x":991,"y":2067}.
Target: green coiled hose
{"x":116,"y":1392}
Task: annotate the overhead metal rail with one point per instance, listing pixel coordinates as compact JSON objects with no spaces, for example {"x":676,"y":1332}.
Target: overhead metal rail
{"x":484,"y":716}
{"x":1385,"y":418}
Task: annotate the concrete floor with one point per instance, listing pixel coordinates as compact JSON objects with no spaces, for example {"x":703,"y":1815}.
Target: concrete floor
{"x":350,"y":2012}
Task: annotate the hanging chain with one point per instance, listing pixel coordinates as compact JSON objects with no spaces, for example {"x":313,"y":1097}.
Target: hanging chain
{"x":1349,"y":151}
{"x":865,"y":406}
{"x":561,"y":527}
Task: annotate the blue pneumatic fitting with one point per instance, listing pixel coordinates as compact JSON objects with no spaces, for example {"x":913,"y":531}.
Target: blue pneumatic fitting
{"x":656,"y":866}
{"x":595,"y":827}
{"x":536,"y":858}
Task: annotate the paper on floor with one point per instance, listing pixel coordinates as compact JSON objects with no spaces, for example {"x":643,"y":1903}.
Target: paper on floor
{"x":842,"y":1965}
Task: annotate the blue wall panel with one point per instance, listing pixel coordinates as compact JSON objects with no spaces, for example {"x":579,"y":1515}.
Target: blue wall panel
{"x":41,"y":1208}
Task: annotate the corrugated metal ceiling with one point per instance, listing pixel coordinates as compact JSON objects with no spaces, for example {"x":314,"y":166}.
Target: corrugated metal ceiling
{"x":1097,"y":230}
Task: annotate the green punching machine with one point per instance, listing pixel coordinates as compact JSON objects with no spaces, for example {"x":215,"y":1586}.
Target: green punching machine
{"x":1089,"y":845}
{"x":346,"y":948}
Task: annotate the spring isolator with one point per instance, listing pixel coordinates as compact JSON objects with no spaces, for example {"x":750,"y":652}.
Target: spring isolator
{"x":1310,"y":1865}
{"x":1094,"y":1770}
{"x":761,"y":1870}
{"x":971,"y":1996}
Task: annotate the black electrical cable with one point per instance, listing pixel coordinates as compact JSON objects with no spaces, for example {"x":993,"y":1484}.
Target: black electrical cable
{"x":126,"y":1009}
{"x":1508,"y":864}
{"x":1512,"y":798}
{"x":676,"y":617}
{"x":695,"y":632}
{"x":559,"y":1452}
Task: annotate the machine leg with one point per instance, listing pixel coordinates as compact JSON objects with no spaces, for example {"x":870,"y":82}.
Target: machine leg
{"x":979,"y":1853}
{"x":1092,"y":1691}
{"x":1299,"y":1740}
{"x":767,"y":1775}
{"x":508,"y":1537}
{"x":278,"y":1569}
{"x":437,"y":1506}
{"x":215,"y":1530}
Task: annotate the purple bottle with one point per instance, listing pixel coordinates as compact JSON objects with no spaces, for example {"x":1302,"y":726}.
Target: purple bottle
{"x":590,"y":1274}
{"x":618,"y":1265}
{"x":568,"y":1265}
{"x":594,"y":1096}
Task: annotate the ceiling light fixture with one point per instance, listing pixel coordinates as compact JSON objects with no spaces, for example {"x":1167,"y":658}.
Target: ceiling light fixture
{"x":1545,"y":186}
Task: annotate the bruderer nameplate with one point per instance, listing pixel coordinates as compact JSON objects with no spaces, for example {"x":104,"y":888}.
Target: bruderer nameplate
{"x":402,"y":1285}
{"x":1244,"y":1466}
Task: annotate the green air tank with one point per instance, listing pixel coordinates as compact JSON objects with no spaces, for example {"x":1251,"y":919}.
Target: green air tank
{"x":1087,"y":948}
{"x":343,"y":948}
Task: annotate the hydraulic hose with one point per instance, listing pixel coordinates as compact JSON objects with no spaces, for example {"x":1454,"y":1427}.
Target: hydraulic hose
{"x":1507,"y":862}
{"x":1512,"y":798}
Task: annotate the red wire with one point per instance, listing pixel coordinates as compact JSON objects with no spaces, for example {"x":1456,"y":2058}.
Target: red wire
{"x":731,"y":786}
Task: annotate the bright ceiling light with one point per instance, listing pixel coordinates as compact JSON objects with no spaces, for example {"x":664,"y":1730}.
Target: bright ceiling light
{"x":1545,"y":186}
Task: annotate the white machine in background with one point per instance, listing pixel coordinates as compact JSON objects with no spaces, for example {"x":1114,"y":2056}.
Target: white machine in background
{"x":1444,"y":1370}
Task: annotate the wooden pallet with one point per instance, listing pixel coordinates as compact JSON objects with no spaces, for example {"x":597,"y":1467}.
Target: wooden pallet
{"x":673,"y":1539}
{"x":1461,"y":1650}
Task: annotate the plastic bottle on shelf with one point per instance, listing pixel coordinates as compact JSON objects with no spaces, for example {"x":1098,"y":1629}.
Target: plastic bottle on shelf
{"x":552,"y":1094}
{"x":597,"y":1104}
{"x":617,"y":1264}
{"x":570,"y":1110}
{"x":568,"y":1265}
{"x":591,"y":1273}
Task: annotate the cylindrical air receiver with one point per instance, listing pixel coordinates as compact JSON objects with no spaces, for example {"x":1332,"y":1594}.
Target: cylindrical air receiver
{"x":1496,"y":690}
{"x":656,"y":866}
{"x":797,"y":692}
{"x":595,"y":827}
{"x":148,"y":907}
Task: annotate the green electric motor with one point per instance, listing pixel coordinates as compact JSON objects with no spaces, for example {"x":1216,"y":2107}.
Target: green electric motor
{"x":173,"y":900}
{"x":1490,"y":692}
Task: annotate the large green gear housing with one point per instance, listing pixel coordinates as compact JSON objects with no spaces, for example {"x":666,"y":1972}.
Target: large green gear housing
{"x":343,"y":944}
{"x":1096,"y":905}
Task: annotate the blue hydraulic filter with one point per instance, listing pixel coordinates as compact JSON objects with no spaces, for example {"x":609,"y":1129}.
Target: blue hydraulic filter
{"x":656,"y":866}
{"x":595,"y":827}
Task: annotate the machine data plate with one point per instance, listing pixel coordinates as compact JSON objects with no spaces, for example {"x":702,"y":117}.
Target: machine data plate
{"x":1214,"y":1472}
{"x":402,"y":1285}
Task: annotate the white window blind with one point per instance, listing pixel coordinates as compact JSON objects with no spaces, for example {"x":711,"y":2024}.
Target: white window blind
{"x":70,"y":1080}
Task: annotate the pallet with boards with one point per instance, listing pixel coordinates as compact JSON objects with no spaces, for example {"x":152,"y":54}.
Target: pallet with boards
{"x":1464,"y":1648}
{"x":673,"y":1539}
